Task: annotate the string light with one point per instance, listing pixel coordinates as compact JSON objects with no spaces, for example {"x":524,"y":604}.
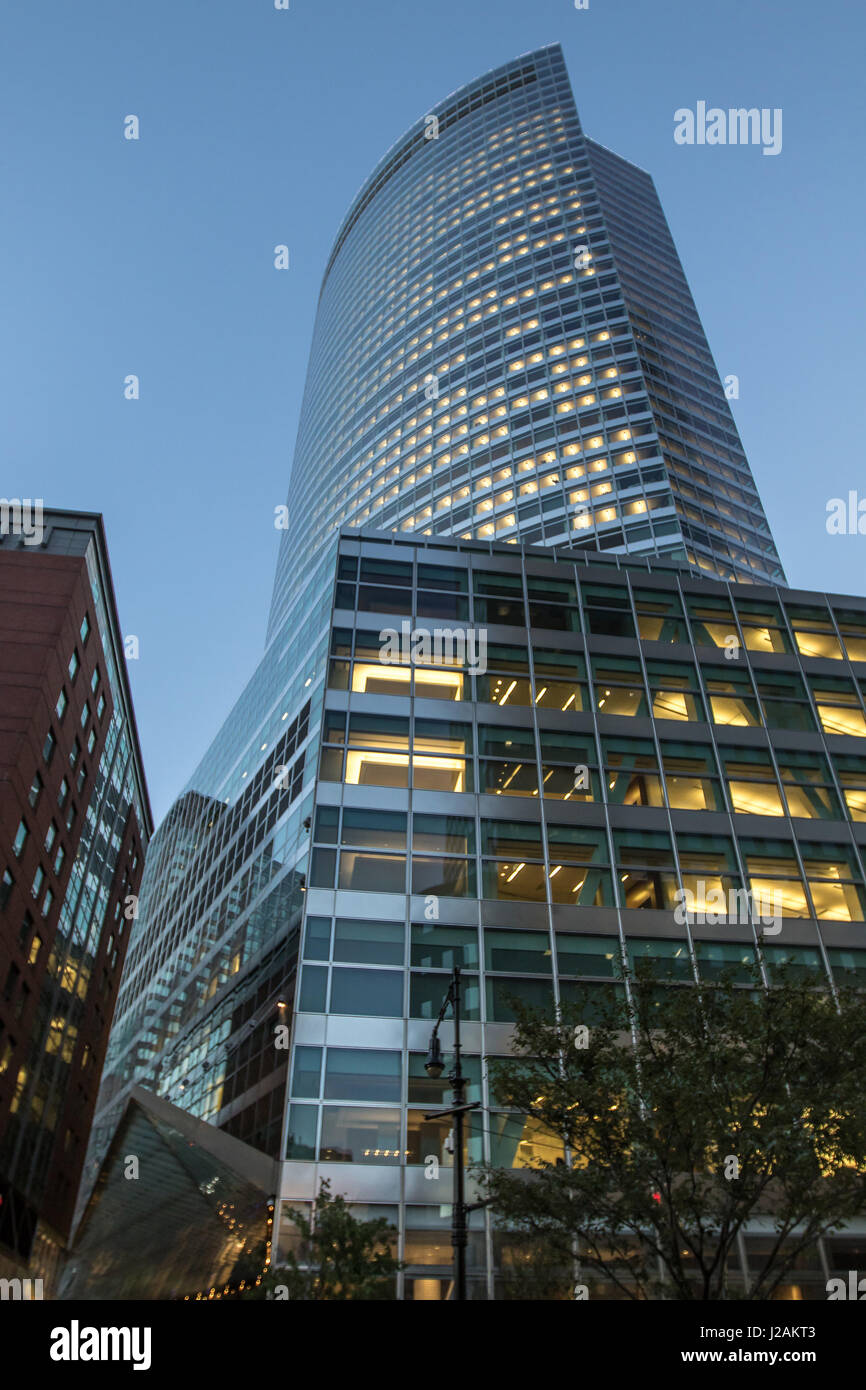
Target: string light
{"x":231,"y":1291}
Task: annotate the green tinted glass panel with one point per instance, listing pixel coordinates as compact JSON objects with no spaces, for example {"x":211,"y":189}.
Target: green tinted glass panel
{"x":314,"y":979}
{"x":317,"y":938}
{"x":374,"y":993}
{"x":362,"y":1074}
{"x":526,"y":951}
{"x":443,"y":947}
{"x":301,"y":1142}
{"x":306,"y":1072}
{"x":373,"y":943}
{"x":587,"y":955}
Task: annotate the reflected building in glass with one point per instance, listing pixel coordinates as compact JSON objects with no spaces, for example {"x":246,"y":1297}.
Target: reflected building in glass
{"x":512,"y":427}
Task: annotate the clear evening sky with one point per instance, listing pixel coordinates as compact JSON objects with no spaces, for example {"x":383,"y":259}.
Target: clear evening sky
{"x":155,"y":257}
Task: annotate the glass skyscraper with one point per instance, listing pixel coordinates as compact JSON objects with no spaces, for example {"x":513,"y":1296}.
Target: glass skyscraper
{"x":506,"y":346}
{"x":512,"y":425}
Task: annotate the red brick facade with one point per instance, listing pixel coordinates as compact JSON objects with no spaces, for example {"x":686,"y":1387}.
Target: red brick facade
{"x":57,"y":994}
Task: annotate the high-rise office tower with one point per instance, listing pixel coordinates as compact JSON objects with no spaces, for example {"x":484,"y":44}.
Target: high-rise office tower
{"x":512,"y":427}
{"x":74,"y":827}
{"x":506,"y":346}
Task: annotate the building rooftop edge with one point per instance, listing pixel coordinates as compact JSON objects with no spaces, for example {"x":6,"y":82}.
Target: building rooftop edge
{"x":407,"y":134}
{"x":95,"y":521}
{"x":565,"y":554}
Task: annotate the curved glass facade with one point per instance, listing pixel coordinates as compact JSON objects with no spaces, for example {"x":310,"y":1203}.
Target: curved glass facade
{"x":506,"y":346}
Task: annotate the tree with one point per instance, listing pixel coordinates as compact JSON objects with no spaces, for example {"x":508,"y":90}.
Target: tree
{"x":338,"y":1257}
{"x":681,"y":1116}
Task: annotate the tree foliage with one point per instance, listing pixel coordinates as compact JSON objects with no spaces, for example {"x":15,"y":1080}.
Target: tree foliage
{"x":687,"y":1113}
{"x":337,"y":1257}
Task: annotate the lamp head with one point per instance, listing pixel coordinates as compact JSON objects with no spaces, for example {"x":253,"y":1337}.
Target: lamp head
{"x":434,"y":1065}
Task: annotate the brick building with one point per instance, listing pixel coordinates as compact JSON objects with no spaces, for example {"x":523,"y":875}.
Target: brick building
{"x":74,"y":826}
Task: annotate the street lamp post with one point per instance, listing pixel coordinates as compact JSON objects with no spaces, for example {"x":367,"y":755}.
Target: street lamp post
{"x":434,"y":1066}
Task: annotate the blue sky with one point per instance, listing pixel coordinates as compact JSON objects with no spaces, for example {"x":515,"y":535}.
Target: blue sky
{"x":155,"y":257}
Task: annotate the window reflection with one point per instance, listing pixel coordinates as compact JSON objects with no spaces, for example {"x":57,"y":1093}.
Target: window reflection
{"x":427,"y":1139}
{"x":518,"y":1142}
{"x":690,"y":777}
{"x":360,"y":1135}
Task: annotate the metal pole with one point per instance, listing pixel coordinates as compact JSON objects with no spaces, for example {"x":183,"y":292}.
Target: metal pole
{"x":434,"y":1067}
{"x":458,"y":1222}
